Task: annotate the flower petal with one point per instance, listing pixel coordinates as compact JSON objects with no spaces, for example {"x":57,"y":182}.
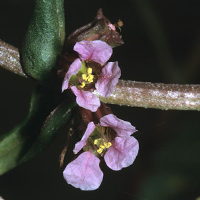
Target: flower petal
{"x":122,"y":153}
{"x":84,"y":172}
{"x":122,"y":128}
{"x":108,"y":79}
{"x":73,"y":69}
{"x":79,"y":145}
{"x":96,"y":50}
{"x":112,"y":27}
{"x":86,"y":99}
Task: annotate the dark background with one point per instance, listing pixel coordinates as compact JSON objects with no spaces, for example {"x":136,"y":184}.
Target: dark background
{"x":162,"y":44}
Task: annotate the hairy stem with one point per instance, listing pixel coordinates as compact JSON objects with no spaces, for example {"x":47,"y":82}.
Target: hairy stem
{"x":10,"y":58}
{"x":155,"y":95}
{"x":127,"y":93}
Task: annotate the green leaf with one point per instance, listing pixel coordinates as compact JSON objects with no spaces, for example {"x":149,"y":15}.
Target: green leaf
{"x":44,"y":39}
{"x":52,"y":126}
{"x":15,"y":144}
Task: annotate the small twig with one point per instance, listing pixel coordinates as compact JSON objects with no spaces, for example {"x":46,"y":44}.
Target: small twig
{"x":63,"y":152}
{"x":10,"y":58}
{"x":155,"y":95}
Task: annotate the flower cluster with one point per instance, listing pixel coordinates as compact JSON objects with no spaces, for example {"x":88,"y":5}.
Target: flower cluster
{"x":110,"y":139}
{"x":106,"y":136}
{"x":91,"y":72}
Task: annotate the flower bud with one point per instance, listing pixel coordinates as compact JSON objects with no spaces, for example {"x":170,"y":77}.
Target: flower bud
{"x":99,"y":29}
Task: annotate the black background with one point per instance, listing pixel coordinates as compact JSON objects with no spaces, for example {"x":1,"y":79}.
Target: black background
{"x":162,"y":44}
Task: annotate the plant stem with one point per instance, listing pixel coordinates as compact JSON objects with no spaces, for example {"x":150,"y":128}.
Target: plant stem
{"x":155,"y":95}
{"x":127,"y":93}
{"x":10,"y":58}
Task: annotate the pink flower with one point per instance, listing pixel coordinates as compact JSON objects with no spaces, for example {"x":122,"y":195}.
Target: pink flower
{"x":96,"y":50}
{"x":108,"y":79}
{"x":79,"y":145}
{"x":122,"y":128}
{"x":119,"y":151}
{"x":84,"y":172}
{"x":86,"y":99}
{"x":90,"y":72}
{"x":124,"y":148}
{"x":122,"y":153}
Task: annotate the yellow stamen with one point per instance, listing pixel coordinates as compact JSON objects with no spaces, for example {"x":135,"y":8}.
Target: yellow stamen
{"x":89,"y":70}
{"x":107,"y":144}
{"x":87,"y":77}
{"x":99,"y":151}
{"x":84,"y":77}
{"x":83,"y":84}
{"x":96,"y":141}
{"x":102,"y":145}
{"x":90,"y":78}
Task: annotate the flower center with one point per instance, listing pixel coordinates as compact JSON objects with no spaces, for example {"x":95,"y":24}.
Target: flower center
{"x":101,"y":144}
{"x":87,"y":77}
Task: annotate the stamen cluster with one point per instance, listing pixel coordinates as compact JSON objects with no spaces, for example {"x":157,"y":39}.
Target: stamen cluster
{"x":87,"y":77}
{"x":102,"y":145}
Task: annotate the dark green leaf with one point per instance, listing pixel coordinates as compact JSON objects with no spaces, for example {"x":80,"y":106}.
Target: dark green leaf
{"x":52,"y":126}
{"x":15,"y":143}
{"x":44,"y":39}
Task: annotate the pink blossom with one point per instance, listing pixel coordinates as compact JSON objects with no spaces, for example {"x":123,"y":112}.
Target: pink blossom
{"x":124,"y":148}
{"x":122,"y":128}
{"x":86,"y":99}
{"x":81,"y":144}
{"x":98,"y":52}
{"x":112,"y":27}
{"x":84,"y":172}
{"x":108,"y":79}
{"x":122,"y":153}
{"x":74,"y":68}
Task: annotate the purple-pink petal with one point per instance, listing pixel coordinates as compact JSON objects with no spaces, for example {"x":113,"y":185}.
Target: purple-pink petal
{"x":122,"y":153}
{"x":122,"y":128}
{"x":108,"y":79}
{"x":84,"y":172}
{"x":86,"y":99}
{"x":96,"y":50}
{"x":112,"y":27}
{"x":79,"y":145}
{"x":73,"y":69}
